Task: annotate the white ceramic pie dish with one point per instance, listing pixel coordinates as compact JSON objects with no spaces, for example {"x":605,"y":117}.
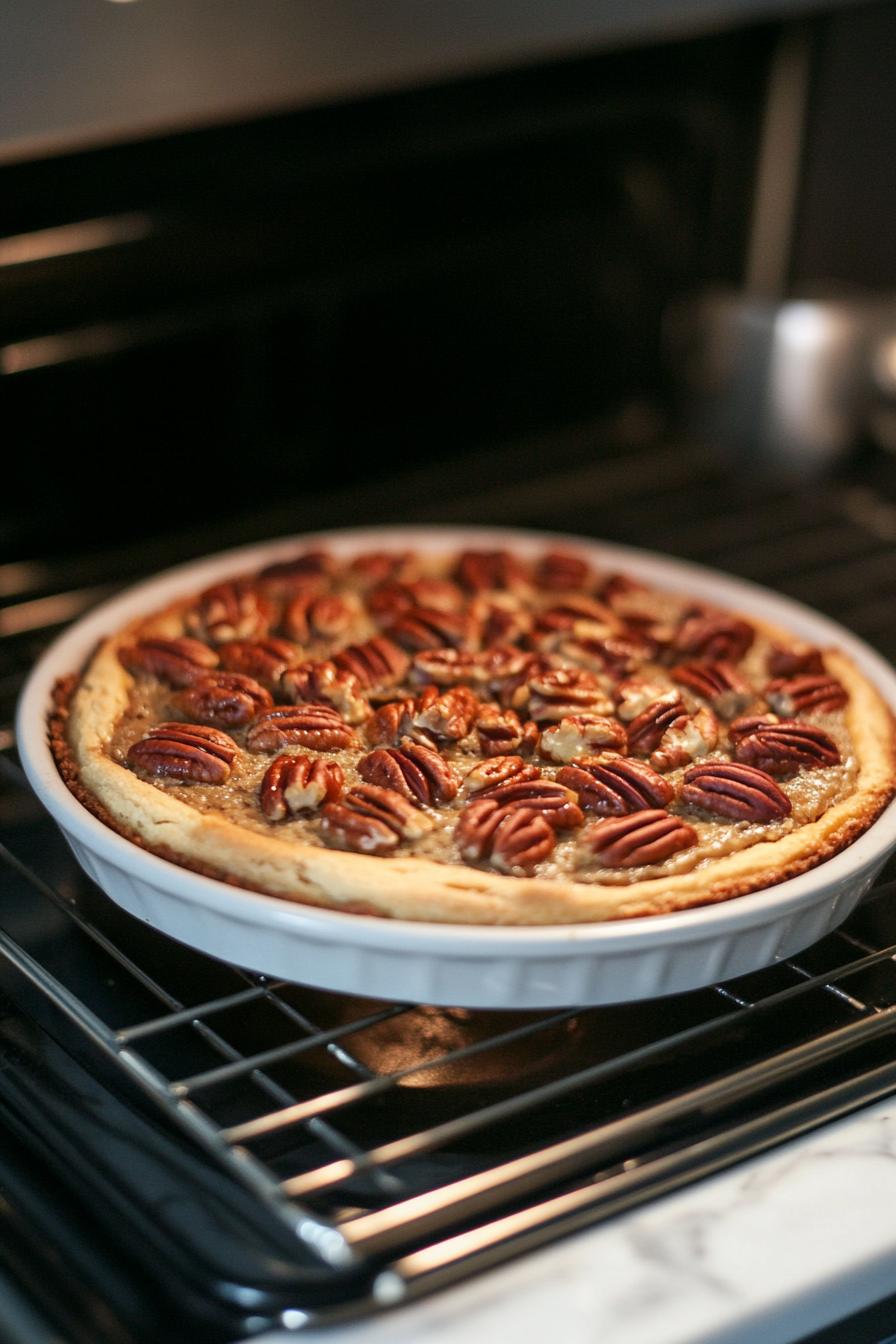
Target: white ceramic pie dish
{"x":473,"y":966}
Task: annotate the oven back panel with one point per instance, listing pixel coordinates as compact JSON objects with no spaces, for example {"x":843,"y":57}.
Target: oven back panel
{"x":343,"y":294}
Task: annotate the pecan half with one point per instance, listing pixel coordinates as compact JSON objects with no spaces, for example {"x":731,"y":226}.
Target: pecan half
{"x":616,"y":656}
{"x":615,"y":786}
{"x":323,"y":683}
{"x":809,"y":693}
{"x":421,"y":628}
{"x":634,"y":841}
{"x":718,"y":682}
{"x":791,"y":660}
{"x":294,"y":784}
{"x":780,"y":748}
{"x":556,"y":694}
{"x":185,"y":751}
{"x":397,"y":719}
{"x":437,"y":594}
{"x":501,"y":617}
{"x":381,"y":805}
{"x":578,"y":617}
{"x":645,"y":732}
{"x":479,"y":570}
{"x":230,"y":611}
{"x":514,"y":839}
{"x":388,"y":600}
{"x":316,"y":726}
{"x":581,"y":735}
{"x":618,"y":586}
{"x":344,"y":827}
{"x":737,"y":791}
{"x":309,"y":617}
{"x":750,"y":723}
{"x":577,"y":607}
{"x":510,"y":671}
{"x":179,"y":662}
{"x":714,"y":636}
{"x":375,"y":567}
{"x":500,"y":731}
{"x":558,"y":571}
{"x":306,"y":573}
{"x":395,"y":810}
{"x":499,"y":770}
{"x":378,"y":663}
{"x":390,"y":723}
{"x":689,"y":737}
{"x":446,"y":667}
{"x":655,"y":615}
{"x":634,"y":696}
{"x":224,"y":700}
{"x":504,"y":660}
{"x":418,"y":773}
{"x":265,"y":660}
{"x":449,"y":716}
{"x":556,"y":803}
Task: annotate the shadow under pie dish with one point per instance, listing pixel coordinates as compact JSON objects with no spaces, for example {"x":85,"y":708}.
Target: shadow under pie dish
{"x":494,"y":729}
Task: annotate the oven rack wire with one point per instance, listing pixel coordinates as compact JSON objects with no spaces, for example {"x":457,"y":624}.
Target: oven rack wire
{"x":647,"y":1099}
{"x":548,"y":1191}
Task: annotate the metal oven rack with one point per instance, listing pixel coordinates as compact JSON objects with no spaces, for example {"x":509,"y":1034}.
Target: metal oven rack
{"x":370,"y":1152}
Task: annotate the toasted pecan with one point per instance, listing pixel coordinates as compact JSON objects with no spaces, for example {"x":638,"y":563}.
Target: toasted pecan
{"x":294,"y":784}
{"x":642,"y":838}
{"x":645,"y":732}
{"x":417,"y":772}
{"x":737,"y":791}
{"x":316,"y":726}
{"x":714,"y":636}
{"x":615,"y":786}
{"x":224,"y":700}
{"x":377,"y":663}
{"x":807,"y":693}
{"x":179,"y":662}
{"x":559,"y":692}
{"x":719,"y":682}
{"x":185,"y":751}
{"x":781,"y":747}
{"x":513,"y":839}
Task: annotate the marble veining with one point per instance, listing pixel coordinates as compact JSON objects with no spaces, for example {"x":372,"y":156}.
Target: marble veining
{"x":761,"y":1254}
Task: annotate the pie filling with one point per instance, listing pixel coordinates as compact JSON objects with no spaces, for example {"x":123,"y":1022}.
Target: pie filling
{"x":810,"y":792}
{"x":530,"y":720}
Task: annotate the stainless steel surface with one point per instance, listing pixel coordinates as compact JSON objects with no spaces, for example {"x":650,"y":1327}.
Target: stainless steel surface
{"x":93,"y":72}
{"x":780,"y":164}
{"x":790,"y":380}
{"x":792,"y":385}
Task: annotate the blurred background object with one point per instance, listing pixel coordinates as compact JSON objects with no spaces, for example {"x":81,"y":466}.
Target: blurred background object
{"x":779,"y":372}
{"x":792,"y":387}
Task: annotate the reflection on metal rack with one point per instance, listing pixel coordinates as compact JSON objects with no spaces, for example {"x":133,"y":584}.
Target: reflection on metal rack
{"x":407,"y":1146}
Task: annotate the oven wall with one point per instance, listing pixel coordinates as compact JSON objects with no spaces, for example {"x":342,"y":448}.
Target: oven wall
{"x":341,"y":295}
{"x":846,"y":227}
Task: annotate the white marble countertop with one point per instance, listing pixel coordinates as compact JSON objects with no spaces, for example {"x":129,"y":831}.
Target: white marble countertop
{"x":761,"y":1254}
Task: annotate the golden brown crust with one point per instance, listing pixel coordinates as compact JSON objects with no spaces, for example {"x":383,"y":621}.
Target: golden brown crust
{"x":414,"y":888}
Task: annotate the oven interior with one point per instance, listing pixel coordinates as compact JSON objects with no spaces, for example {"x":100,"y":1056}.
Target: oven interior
{"x":444,"y":305}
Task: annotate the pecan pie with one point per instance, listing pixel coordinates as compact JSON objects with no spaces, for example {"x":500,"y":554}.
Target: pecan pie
{"x":474,"y":738}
